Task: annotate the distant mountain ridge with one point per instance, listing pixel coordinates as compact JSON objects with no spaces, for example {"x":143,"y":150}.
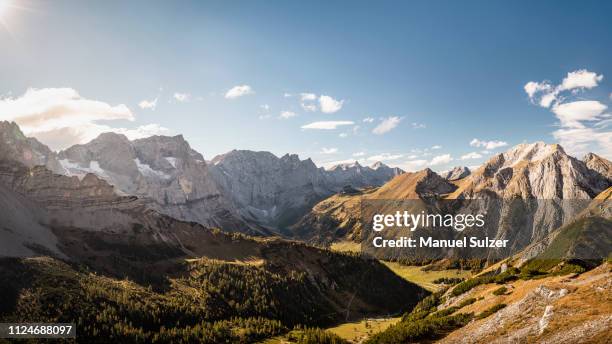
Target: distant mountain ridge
{"x":276,"y":191}
{"x":246,"y":191}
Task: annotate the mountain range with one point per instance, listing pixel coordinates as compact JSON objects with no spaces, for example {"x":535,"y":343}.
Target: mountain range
{"x":528,"y":193}
{"x":245,"y":191}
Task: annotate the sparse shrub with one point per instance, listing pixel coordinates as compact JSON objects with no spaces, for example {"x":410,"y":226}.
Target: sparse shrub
{"x":468,"y":285}
{"x":467,"y":302}
{"x":491,"y":310}
{"x":448,"y":280}
{"x":500,"y":291}
{"x":426,"y":329}
{"x":314,"y":336}
{"x":510,"y":274}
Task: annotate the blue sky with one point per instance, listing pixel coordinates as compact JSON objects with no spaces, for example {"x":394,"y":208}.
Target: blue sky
{"x":435,"y":74}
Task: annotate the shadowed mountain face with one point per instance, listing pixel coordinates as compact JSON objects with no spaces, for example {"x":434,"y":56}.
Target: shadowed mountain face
{"x":275,"y":192}
{"x":338,"y":217}
{"x":163,"y":170}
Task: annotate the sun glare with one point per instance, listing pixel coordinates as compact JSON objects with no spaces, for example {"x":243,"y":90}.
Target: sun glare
{"x":4,"y":7}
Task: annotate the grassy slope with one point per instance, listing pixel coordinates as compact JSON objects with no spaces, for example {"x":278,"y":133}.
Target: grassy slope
{"x":581,"y":307}
{"x":415,"y":274}
{"x":587,"y":301}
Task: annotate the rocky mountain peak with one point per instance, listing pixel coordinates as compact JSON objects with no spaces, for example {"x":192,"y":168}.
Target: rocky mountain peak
{"x":11,"y":129}
{"x":15,"y":146}
{"x":377,"y":165}
{"x":456,"y":173}
{"x":111,"y":137}
{"x":346,"y":166}
{"x":599,"y":165}
{"x":236,"y":156}
{"x":530,"y":152}
{"x":536,"y":170}
{"x":165,"y":151}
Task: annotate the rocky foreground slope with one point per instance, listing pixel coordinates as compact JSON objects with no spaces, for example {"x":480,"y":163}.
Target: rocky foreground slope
{"x":558,"y":309}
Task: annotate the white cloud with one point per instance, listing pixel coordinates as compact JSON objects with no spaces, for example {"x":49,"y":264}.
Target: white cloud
{"x":326,"y":125}
{"x":488,"y":144}
{"x":385,"y":157}
{"x":548,"y":99}
{"x":387,"y":125}
{"x":368,"y":120}
{"x":329,"y":104}
{"x":142,"y":131}
{"x":265,"y":116}
{"x":60,"y":117}
{"x":265,"y":107}
{"x":343,"y":135}
{"x":358,"y":154}
{"x":307,"y":101}
{"x":436,"y":147}
{"x":287,"y":114}
{"x":329,"y":150}
{"x":579,"y":141}
{"x":413,"y":165}
{"x":329,"y":164}
{"x":287,"y":95}
{"x":472,"y":155}
{"x":416,"y":125}
{"x":441,"y":159}
{"x":580,"y":79}
{"x":239,"y":91}
{"x":309,"y":107}
{"x":548,"y":94}
{"x":148,"y":104}
{"x":308,"y":96}
{"x":532,"y":87}
{"x":182,"y":97}
{"x":571,"y":114}
{"x":584,"y":125}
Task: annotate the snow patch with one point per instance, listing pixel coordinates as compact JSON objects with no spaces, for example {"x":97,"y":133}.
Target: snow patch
{"x":171,"y":160}
{"x":147,"y":171}
{"x":75,"y":169}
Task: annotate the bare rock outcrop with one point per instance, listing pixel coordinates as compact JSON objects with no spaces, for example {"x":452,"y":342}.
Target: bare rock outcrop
{"x":456,"y":173}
